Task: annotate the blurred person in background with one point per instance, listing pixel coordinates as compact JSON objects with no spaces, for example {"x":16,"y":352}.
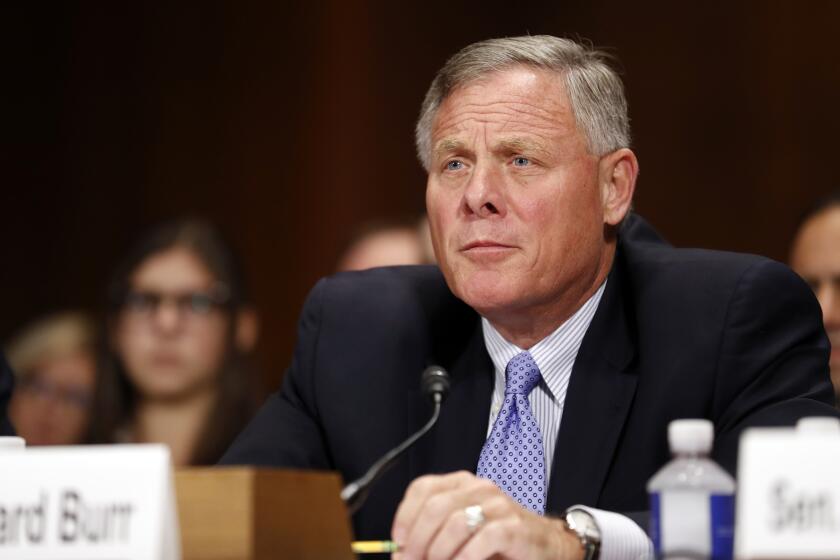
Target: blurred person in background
{"x":55,"y":366}
{"x":388,"y":243}
{"x":6,"y":383}
{"x":816,"y":257}
{"x":180,"y":328}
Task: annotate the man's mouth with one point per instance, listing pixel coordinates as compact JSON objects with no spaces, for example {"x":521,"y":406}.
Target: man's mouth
{"x":483,"y":244}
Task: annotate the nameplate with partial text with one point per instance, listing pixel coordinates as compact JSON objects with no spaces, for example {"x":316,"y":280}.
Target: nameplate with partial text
{"x":88,"y":503}
{"x":788,"y":498}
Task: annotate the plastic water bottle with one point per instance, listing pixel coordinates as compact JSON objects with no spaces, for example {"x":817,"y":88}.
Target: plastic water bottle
{"x":692,"y":499}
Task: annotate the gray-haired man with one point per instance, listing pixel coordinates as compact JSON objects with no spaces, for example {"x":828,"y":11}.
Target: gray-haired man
{"x":574,"y":335}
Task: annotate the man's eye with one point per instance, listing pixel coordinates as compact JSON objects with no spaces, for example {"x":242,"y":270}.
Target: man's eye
{"x":520,"y":161}
{"x":454,"y":165}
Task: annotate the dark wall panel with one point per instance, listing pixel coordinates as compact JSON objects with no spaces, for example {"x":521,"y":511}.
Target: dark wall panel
{"x":291,"y":123}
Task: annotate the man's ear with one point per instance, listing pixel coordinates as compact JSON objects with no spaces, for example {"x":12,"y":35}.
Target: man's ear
{"x":617,"y":172}
{"x":247,"y":329}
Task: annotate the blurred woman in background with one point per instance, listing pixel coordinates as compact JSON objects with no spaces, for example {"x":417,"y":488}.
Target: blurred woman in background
{"x":179,"y":329}
{"x":54,"y":363}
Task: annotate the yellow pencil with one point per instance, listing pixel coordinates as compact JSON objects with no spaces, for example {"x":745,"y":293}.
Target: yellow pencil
{"x":372,"y":547}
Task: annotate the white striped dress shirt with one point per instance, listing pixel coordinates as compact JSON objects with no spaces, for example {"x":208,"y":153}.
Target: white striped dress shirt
{"x":555,"y":356}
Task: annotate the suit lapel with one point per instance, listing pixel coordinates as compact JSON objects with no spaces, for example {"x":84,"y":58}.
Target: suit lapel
{"x":599,"y":396}
{"x":600,"y":393}
{"x":456,"y":441}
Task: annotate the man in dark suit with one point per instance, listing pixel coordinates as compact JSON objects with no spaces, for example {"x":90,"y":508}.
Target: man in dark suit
{"x":6,"y":381}
{"x":552,"y":304}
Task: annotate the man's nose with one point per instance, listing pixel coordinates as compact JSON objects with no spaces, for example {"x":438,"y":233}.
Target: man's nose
{"x":484,"y":193}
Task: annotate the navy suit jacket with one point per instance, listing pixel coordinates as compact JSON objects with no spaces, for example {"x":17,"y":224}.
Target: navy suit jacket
{"x":678,"y":334}
{"x":6,"y":381}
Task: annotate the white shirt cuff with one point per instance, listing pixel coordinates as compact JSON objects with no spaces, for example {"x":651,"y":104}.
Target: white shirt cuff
{"x":621,"y":538}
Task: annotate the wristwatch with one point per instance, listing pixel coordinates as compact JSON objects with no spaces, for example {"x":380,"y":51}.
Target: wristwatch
{"x":582,"y":524}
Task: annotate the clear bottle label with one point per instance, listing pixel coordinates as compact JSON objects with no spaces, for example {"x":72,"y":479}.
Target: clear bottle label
{"x":691,"y":524}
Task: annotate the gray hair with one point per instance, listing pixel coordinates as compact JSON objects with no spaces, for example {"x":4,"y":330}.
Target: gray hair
{"x":596,"y":93}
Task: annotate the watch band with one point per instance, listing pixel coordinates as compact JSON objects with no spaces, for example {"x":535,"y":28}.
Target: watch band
{"x":583,"y":525}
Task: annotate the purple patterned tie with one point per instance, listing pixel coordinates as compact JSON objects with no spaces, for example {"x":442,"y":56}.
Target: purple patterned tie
{"x":512,"y":456}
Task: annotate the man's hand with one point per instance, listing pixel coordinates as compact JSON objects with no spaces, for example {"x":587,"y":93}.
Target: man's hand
{"x":431,"y":524}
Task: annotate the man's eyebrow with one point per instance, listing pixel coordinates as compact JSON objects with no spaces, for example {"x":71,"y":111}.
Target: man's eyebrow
{"x":448,"y":145}
{"x":514,"y":144}
{"x":520,"y":145}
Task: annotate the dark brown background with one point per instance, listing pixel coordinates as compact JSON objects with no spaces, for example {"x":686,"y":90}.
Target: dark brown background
{"x":290,"y":123}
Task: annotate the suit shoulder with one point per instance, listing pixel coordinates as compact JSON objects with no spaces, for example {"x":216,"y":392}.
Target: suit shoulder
{"x":373,"y":280}
{"x":707,"y":285}
{"x":649,"y":259}
{"x":394,"y":294}
{"x":705,"y":265}
{"x":391,"y":285}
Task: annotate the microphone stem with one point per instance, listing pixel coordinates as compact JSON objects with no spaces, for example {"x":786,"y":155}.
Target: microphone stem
{"x":354,"y":494}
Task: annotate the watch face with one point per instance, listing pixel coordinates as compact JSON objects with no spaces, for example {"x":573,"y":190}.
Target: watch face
{"x":583,"y":524}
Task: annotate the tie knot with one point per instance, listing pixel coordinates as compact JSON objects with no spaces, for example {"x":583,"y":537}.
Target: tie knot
{"x":521,"y":374}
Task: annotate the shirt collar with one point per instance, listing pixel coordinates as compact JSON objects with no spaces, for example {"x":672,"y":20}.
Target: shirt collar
{"x":555,"y":354}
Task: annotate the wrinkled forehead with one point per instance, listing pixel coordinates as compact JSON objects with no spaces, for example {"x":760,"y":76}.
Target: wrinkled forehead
{"x":520,"y":104}
{"x":511,"y":81}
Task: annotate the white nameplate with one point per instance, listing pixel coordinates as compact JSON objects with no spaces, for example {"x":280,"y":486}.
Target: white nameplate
{"x":788,"y":499}
{"x":88,"y":503}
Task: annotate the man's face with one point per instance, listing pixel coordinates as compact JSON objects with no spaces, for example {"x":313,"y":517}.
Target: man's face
{"x":513,"y":197}
{"x":816,"y":257}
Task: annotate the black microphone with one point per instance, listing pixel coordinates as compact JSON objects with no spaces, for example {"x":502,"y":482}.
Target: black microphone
{"x":435,"y":384}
